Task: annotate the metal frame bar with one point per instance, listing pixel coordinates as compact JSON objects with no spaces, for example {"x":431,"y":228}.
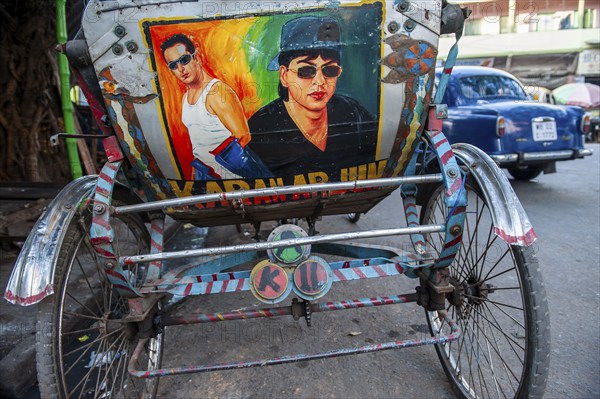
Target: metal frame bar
{"x":129,"y":260}
{"x":440,"y":339}
{"x":219,"y":283}
{"x":200,"y":318}
{"x":277,"y":191}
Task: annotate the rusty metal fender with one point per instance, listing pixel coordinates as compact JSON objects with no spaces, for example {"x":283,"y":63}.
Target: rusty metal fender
{"x":33,"y":274}
{"x":510,"y":220}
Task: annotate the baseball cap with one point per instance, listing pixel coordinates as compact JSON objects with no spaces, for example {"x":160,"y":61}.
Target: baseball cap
{"x":308,"y":33}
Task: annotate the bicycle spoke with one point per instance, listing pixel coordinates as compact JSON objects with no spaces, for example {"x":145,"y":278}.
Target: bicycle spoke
{"x":117,"y":356}
{"x":88,"y":284}
{"x":83,"y":315}
{"x":88,"y":345}
{"x":101,"y":350}
{"x":508,"y":338}
{"x":79,"y":303}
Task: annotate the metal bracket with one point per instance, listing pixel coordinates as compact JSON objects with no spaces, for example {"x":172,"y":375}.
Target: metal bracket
{"x":441,"y":285}
{"x":301,"y":309}
{"x":140,"y":308}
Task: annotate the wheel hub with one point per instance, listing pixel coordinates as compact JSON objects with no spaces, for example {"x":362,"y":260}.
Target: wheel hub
{"x":473,"y":292}
{"x":109,"y":325}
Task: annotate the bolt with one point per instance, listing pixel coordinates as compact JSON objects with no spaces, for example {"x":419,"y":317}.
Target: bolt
{"x":109,"y":265}
{"x":403,"y":6}
{"x":117,"y":49}
{"x":452,"y":173}
{"x":119,"y":31}
{"x":131,"y":46}
{"x":410,"y":25}
{"x":68,"y":206}
{"x":393,"y":27}
{"x":455,"y":230}
{"x":99,"y":209}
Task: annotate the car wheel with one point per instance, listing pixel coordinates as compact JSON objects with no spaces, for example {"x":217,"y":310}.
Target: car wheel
{"x":525,"y":172}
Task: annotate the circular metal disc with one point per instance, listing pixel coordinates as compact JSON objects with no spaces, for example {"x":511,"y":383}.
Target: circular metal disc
{"x":293,"y":253}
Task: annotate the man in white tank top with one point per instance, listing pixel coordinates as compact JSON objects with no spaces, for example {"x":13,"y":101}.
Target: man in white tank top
{"x":214,"y":117}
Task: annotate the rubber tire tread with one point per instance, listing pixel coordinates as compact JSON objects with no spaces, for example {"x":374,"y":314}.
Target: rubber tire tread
{"x":534,"y":383}
{"x":46,"y":326}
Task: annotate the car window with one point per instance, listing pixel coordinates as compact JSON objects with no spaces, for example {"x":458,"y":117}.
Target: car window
{"x":490,"y":87}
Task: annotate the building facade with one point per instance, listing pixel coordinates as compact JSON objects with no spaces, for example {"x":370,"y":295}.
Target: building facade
{"x":544,"y":43}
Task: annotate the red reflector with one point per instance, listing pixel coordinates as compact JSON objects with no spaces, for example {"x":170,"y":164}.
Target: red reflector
{"x":500,"y":126}
{"x":585,"y":123}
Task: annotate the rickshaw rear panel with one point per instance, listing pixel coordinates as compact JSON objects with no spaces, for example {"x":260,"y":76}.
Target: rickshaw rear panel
{"x":385,"y":60}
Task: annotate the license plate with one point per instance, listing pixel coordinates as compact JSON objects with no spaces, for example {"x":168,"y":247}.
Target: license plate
{"x":544,"y":130}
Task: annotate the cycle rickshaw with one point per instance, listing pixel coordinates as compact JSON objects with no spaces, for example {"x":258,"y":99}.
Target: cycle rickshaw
{"x":95,"y":260}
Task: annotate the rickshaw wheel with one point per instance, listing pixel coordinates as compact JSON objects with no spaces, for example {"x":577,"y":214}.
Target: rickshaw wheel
{"x":500,"y":304}
{"x":82,"y":347}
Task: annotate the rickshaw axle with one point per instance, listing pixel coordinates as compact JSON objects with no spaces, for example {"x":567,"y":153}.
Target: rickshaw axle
{"x":296,"y":311}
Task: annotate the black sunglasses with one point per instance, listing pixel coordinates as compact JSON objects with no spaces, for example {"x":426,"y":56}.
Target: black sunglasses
{"x":310,"y":71}
{"x":183,"y":60}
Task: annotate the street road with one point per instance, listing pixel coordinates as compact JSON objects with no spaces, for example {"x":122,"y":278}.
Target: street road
{"x":564,"y":209}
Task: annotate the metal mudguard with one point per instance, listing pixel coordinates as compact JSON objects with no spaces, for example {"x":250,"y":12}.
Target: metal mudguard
{"x":33,"y":274}
{"x":510,"y":219}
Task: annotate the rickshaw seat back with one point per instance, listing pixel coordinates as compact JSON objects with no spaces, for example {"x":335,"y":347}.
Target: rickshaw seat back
{"x":209,"y":97}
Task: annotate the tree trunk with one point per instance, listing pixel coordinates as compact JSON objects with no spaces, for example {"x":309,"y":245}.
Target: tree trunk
{"x":30,"y":110}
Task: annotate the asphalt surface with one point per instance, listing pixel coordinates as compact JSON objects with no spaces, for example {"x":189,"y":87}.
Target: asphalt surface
{"x":565,"y":211}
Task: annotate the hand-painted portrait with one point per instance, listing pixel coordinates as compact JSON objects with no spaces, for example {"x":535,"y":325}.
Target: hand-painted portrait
{"x":269,"y":96}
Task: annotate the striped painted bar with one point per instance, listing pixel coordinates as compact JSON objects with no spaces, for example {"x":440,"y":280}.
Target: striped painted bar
{"x":219,"y":283}
{"x":412,"y":220}
{"x":455,"y":198}
{"x":211,"y":287}
{"x":156,"y":246}
{"x":200,"y":318}
{"x":359,"y":273}
{"x":101,"y":233}
{"x":165,"y":282}
{"x":363,"y":303}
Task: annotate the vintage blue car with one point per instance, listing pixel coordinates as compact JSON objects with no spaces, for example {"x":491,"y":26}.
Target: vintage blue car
{"x":490,"y":109}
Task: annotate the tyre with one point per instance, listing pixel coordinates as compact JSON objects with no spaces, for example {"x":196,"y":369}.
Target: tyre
{"x":82,"y":347}
{"x":525,"y":172}
{"x":500,"y":304}
{"x":353,"y":217}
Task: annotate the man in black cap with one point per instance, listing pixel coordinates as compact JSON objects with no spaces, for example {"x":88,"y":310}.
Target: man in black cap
{"x":309,"y":127}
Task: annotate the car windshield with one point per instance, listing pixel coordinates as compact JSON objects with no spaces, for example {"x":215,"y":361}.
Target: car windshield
{"x":490,"y":88}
